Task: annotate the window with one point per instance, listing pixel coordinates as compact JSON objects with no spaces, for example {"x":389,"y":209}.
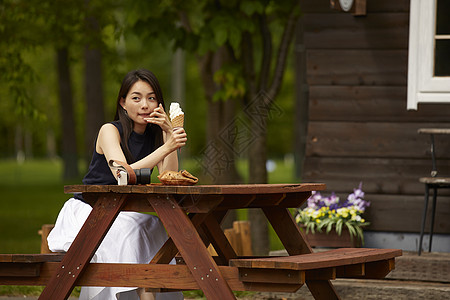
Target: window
{"x":429,"y":52}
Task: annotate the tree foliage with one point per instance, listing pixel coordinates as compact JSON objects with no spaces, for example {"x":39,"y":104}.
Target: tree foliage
{"x":140,"y":34}
{"x":243,"y":46}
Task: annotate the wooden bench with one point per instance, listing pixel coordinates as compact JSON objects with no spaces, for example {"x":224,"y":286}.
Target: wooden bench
{"x":285,"y":273}
{"x":362,"y":263}
{"x":24,"y":265}
{"x":44,"y":232}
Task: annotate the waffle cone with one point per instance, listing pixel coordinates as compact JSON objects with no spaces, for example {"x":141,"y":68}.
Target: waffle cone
{"x":178,"y":121}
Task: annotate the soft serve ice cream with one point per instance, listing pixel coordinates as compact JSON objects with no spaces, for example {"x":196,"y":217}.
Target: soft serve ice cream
{"x":176,"y":115}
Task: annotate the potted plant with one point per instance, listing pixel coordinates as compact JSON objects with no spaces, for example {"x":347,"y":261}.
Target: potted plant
{"x":329,"y":215}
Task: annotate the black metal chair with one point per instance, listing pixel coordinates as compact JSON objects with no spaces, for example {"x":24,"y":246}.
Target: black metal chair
{"x":434,"y":182}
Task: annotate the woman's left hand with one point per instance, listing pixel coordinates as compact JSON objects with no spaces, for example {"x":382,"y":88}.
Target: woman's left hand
{"x":160,"y":118}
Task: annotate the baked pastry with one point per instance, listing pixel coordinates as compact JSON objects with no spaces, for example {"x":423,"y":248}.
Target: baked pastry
{"x":182,"y":177}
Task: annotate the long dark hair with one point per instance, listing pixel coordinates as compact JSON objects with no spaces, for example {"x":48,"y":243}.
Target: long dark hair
{"x":127,"y":124}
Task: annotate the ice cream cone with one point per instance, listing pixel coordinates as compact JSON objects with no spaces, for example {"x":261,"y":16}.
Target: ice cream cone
{"x":178,"y":121}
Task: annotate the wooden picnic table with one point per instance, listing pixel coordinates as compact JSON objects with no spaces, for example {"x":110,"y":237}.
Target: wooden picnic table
{"x":192,"y":217}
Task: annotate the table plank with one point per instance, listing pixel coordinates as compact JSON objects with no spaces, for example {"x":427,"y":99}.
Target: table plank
{"x":236,"y":189}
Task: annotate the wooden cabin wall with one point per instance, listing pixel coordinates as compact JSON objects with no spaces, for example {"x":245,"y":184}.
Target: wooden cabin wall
{"x":359,"y":129}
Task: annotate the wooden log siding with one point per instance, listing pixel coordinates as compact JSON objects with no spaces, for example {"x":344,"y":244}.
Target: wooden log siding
{"x":320,"y":6}
{"x":357,"y":67}
{"x":374,"y":103}
{"x":374,"y":139}
{"x":357,"y":32}
{"x":359,"y":128}
{"x":378,"y":175}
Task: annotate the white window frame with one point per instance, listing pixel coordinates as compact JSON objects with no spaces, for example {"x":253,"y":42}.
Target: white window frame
{"x":423,"y":87}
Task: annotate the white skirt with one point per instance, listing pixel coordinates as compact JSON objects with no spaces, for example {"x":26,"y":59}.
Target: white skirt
{"x":132,"y":238}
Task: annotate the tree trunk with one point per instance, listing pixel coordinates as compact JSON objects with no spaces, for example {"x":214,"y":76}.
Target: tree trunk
{"x":51,"y":144}
{"x":178,"y":84}
{"x":69,"y":140}
{"x":301,"y":100}
{"x":18,"y":144}
{"x":219,"y":155}
{"x":93,"y":84}
{"x":93,"y":88}
{"x":258,"y":174}
{"x":258,"y":110}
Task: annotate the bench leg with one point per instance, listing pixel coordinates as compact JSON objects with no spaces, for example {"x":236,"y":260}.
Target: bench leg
{"x":424,"y":217}
{"x":295,"y":243}
{"x":433,"y":213}
{"x":322,"y":289}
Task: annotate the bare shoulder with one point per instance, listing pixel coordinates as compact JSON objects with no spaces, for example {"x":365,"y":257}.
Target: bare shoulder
{"x":108,"y":126}
{"x":108,"y":129}
{"x":108,"y":136}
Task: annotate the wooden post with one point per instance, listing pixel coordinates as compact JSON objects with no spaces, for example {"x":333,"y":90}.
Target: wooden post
{"x":232,"y":237}
{"x":239,"y":237}
{"x":44,"y":232}
{"x":242,"y":229}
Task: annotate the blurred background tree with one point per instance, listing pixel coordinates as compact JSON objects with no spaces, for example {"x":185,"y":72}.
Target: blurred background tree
{"x":61,"y":64}
{"x":242,"y":48}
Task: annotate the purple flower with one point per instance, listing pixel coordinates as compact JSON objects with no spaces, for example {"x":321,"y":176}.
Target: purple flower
{"x":316,"y":201}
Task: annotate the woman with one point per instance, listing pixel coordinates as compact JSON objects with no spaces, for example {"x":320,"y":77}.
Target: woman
{"x":142,"y":135}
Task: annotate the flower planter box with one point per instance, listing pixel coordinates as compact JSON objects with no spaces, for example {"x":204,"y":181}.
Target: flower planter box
{"x":331,"y":240}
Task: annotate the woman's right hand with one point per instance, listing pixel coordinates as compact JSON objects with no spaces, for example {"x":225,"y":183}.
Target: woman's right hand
{"x":160,"y":118}
{"x":176,"y":139}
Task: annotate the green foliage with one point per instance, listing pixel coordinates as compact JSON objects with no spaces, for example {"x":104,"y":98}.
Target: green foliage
{"x":232,"y":83}
{"x":31,"y":30}
{"x":207,"y":26}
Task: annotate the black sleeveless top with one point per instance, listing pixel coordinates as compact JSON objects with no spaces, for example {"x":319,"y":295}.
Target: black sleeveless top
{"x":140,"y":146}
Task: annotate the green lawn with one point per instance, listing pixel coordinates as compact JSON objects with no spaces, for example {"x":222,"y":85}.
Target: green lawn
{"x":31,"y":195}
